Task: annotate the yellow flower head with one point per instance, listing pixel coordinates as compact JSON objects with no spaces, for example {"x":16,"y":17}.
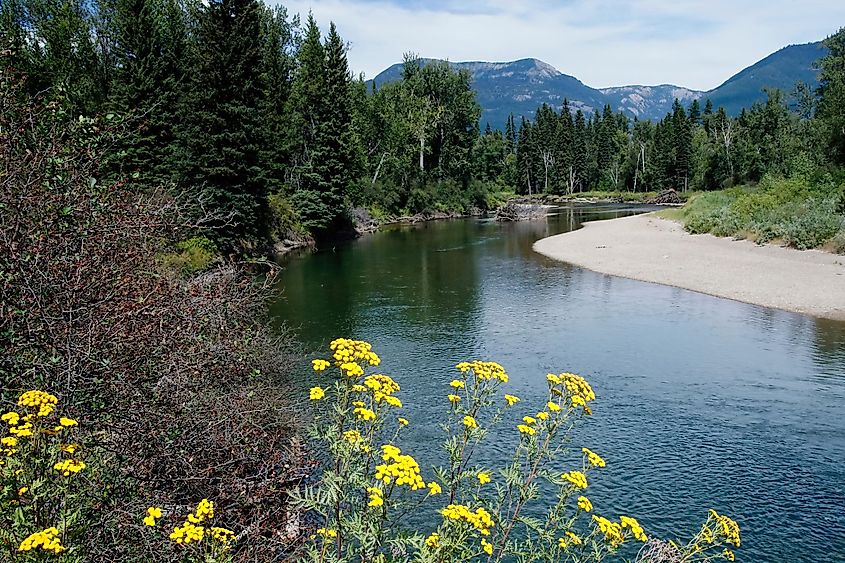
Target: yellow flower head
{"x":153,"y":514}
{"x":432,"y":541}
{"x":483,"y":478}
{"x":573,"y":537}
{"x":576,"y":478}
{"x":457,"y":384}
{"x":46,"y":540}
{"x":317,"y":393}
{"x":454,"y":399}
{"x":552,"y":406}
{"x":402,"y":421}
{"x":486,"y":547}
{"x":67,"y":422}
{"x":511,"y":400}
{"x":40,"y":400}
{"x":470,"y":422}
{"x":542,"y":415}
{"x":319,"y":365}
{"x":69,"y":466}
{"x":11,"y":418}
{"x":525,"y":429}
{"x":585,"y":504}
{"x":593,"y":458}
{"x":434,"y":488}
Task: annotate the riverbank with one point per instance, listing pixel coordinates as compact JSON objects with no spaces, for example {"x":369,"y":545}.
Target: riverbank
{"x":650,"y":248}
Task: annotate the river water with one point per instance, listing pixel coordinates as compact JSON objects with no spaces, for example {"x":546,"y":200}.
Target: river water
{"x":702,"y":402}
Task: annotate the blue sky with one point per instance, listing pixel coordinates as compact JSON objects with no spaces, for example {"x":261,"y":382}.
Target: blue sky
{"x":697,"y":44}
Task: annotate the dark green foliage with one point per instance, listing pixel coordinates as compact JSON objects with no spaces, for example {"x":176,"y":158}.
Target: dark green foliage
{"x":219,"y":161}
{"x":831,"y":107}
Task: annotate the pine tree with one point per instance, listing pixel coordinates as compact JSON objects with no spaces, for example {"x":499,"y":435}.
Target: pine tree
{"x":831,"y":108}
{"x":308,"y":112}
{"x":148,"y":50}
{"x":695,"y":112}
{"x":219,"y":157}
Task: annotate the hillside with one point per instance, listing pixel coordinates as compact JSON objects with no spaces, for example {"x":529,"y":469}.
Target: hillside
{"x":519,"y":87}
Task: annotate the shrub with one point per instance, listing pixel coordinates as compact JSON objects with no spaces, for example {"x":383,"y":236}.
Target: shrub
{"x":369,"y":481}
{"x":193,"y":255}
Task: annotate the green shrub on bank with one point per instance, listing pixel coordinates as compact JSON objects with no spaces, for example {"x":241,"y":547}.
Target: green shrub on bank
{"x":801,"y":213}
{"x":191,"y":256}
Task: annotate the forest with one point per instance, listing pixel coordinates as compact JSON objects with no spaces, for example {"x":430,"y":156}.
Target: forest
{"x":249,"y":110}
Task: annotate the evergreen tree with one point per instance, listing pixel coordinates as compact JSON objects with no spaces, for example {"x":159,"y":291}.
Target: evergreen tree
{"x":148,"y":50}
{"x":695,"y":112}
{"x":831,"y":108}
{"x":219,"y":157}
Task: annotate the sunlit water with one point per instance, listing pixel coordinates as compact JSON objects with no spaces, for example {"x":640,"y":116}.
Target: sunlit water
{"x":702,"y":402}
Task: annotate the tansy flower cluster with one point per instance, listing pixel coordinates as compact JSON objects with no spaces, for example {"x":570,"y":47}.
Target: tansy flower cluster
{"x":153,"y":514}
{"x":69,"y":466}
{"x":41,"y":400}
{"x":193,"y":530}
{"x":350,"y":351}
{"x":611,"y":530}
{"x":569,"y":538}
{"x":634,"y":526}
{"x":728,"y":527}
{"x":572,"y":387}
{"x":593,"y":458}
{"x":46,"y":540}
{"x":577,"y":478}
{"x":480,"y":519}
{"x":484,"y":370}
{"x":401,"y":469}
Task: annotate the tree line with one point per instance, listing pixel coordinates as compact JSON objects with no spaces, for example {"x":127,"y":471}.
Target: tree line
{"x":243,"y":108}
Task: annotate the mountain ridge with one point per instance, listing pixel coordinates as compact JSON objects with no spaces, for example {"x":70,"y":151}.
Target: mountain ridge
{"x":519,"y":87}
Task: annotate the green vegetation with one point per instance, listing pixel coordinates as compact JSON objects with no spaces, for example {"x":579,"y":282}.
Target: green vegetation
{"x":795,"y":211}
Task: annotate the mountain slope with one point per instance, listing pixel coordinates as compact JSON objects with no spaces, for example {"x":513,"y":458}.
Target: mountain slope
{"x":520,"y":87}
{"x":782,"y":69}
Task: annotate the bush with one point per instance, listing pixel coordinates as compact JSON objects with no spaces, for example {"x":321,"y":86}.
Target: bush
{"x":193,"y":255}
{"x":183,"y":376}
{"x":368,"y":482}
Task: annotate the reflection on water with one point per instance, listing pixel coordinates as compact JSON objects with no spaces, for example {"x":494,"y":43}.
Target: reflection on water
{"x":702,"y":401}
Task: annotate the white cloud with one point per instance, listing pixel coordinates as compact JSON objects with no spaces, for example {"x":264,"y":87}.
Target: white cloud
{"x":696,"y":43}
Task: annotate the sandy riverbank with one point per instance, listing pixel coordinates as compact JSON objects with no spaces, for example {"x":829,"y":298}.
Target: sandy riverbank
{"x":652,"y":249}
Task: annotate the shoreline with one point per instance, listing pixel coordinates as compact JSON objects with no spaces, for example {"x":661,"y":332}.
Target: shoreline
{"x":652,"y":249}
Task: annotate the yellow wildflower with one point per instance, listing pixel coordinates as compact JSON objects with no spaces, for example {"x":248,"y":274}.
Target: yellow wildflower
{"x":400,"y":468}
{"x":573,"y":537}
{"x":729,"y":555}
{"x":47,"y":540}
{"x":525,"y":429}
{"x":483,"y":478}
{"x":470,"y":422}
{"x":319,"y":365}
{"x":632,"y":524}
{"x":9,"y":441}
{"x":316,"y":393}
{"x":376,"y":498}
{"x":529,"y":420}
{"x":585,"y":504}
{"x":486,"y":547}
{"x":457,"y":384}
{"x":542,"y":415}
{"x":434,"y":488}
{"x":204,"y":511}
{"x":364,"y":414}
{"x":577,"y":478}
{"x":484,"y":370}
{"x":480,"y":519}
{"x":432,"y":541}
{"x":593,"y":458}
{"x":402,"y":421}
{"x":153,"y":514}
{"x":611,"y":530}
{"x":22,"y":491}
{"x":454,"y":399}
{"x":511,"y":400}
{"x":11,"y":418}
{"x":67,"y":422}
{"x":187,"y":533}
{"x":552,"y":406}
{"x":69,"y":466}
{"x":327,"y":532}
{"x":222,"y":535}
{"x":44,"y":402}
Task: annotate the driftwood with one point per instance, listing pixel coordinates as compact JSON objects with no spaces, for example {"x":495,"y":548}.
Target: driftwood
{"x":513,"y":211}
{"x":664,"y":197}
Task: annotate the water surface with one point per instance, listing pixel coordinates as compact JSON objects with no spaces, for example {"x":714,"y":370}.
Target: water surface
{"x":702,"y":402}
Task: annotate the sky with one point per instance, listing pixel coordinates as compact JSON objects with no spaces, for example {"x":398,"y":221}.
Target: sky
{"x":691,"y":43}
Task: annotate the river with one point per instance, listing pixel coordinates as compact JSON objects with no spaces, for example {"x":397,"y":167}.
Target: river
{"x":702,"y":402}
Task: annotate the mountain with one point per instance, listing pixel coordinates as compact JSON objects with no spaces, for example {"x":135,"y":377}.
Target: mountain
{"x":781,"y":70}
{"x":520,"y":87}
